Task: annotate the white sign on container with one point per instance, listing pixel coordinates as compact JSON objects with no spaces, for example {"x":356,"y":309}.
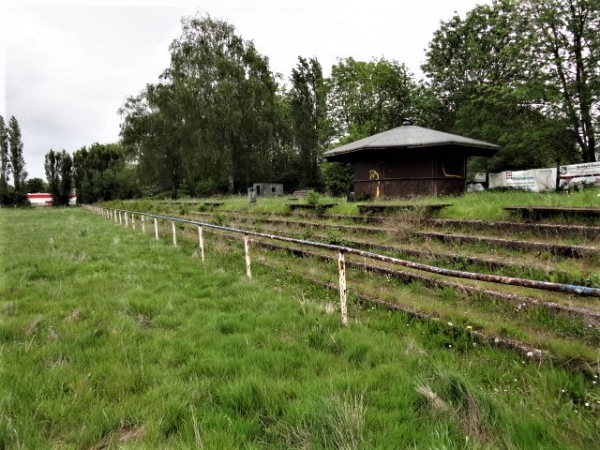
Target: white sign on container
{"x":530,"y":180}
{"x":579,"y":174}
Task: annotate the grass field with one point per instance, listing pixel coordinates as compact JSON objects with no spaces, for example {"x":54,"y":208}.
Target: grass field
{"x":109,"y":339}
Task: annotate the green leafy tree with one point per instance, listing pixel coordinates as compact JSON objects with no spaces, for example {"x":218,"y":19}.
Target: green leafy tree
{"x":152,"y":134}
{"x":17,"y":162}
{"x":283,"y":160}
{"x":102,"y":172}
{"x":309,"y":120}
{"x":52,"y":167}
{"x":4,"y":163}
{"x":487,"y":74}
{"x":366,"y":98}
{"x":227,"y":95}
{"x":36,"y":185}
{"x":81,"y":176}
{"x":213,"y":119}
{"x":66,"y":178}
{"x":338,"y":177}
{"x":565,"y":53}
{"x":127,"y":181}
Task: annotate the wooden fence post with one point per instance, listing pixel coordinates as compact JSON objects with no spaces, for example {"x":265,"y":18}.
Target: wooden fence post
{"x":174,"y":234}
{"x":247,"y":252}
{"x":156,"y":228}
{"x":143,"y":224}
{"x":120,"y":218}
{"x":126,"y":221}
{"x":132,"y":221}
{"x":343,"y":289}
{"x":201,"y":242}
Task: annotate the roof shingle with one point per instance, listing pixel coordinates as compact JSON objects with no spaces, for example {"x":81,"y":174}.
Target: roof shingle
{"x":411,"y":136}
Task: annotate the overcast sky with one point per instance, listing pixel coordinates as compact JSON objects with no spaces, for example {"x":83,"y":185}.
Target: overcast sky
{"x":66,"y":66}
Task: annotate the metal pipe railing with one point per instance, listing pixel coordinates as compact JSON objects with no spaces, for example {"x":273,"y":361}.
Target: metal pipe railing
{"x":514,"y":281}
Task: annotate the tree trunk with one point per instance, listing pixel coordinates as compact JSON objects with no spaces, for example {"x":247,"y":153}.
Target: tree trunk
{"x":230,"y":182}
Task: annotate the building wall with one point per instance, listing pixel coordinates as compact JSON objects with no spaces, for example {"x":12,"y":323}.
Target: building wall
{"x":268,"y":189}
{"x":429,"y":173}
{"x":45,"y":199}
{"x":409,"y":188}
{"x":40,"y":199}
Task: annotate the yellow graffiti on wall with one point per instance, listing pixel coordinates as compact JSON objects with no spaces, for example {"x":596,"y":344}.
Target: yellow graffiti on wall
{"x":373,"y":175}
{"x":449,"y":175}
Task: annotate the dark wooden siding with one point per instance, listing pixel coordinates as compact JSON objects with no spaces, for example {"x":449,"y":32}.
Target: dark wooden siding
{"x":428,"y":173}
{"x":410,"y":188}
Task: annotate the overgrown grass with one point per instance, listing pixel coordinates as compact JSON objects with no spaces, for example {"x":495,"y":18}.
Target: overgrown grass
{"x":489,"y":205}
{"x":109,"y":339}
{"x":398,"y":241}
{"x":568,"y":338}
{"x":481,"y":205}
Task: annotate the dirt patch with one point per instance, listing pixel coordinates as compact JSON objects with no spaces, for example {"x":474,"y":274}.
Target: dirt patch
{"x":75,"y":316}
{"x":33,"y":326}
{"x":126,"y":433}
{"x":129,"y":433}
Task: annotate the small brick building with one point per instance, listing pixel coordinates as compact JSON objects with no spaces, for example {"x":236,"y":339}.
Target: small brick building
{"x":410,"y":161}
{"x":268,"y":189}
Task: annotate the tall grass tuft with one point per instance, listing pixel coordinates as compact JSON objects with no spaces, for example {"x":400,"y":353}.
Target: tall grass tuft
{"x":346,"y":417}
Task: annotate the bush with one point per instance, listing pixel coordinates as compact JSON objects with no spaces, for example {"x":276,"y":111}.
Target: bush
{"x":313,"y":198}
{"x":338,"y":178}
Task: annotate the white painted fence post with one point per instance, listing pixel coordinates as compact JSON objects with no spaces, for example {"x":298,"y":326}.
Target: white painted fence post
{"x":174,"y":234}
{"x":247,"y":251}
{"x":120,"y":218}
{"x":132,"y":221}
{"x":156,"y":228}
{"x":126,"y":221}
{"x":201,"y":242}
{"x":343,"y":289}
{"x":143,"y":224}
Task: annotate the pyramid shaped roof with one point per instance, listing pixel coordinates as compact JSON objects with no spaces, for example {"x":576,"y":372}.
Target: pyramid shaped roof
{"x":412,"y":136}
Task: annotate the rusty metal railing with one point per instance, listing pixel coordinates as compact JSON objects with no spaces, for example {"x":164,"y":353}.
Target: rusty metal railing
{"x":118,"y":214}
